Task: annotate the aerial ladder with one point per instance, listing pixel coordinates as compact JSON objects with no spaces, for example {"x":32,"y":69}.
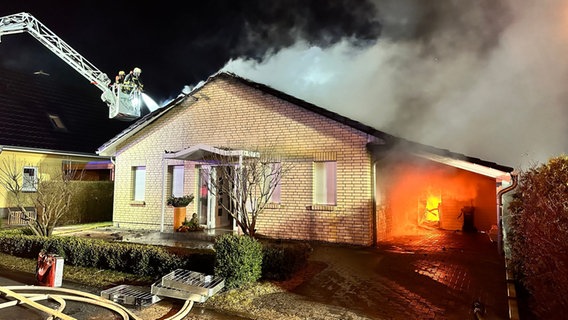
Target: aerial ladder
{"x":123,"y":101}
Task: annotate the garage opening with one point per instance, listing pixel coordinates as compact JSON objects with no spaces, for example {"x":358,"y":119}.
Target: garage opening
{"x":415,"y":199}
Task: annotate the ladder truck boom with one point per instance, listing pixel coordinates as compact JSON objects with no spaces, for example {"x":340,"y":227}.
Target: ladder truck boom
{"x":123,"y":105}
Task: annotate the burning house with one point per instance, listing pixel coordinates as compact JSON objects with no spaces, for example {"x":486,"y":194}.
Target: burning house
{"x":349,"y":183}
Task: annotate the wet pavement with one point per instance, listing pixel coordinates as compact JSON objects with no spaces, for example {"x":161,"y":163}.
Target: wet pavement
{"x":435,"y":275}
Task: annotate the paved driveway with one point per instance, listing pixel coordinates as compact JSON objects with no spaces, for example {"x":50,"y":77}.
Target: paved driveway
{"x":436,"y":275}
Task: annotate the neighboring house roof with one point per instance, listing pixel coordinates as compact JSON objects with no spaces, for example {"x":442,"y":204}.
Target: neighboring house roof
{"x":389,"y":141}
{"x":38,"y":112}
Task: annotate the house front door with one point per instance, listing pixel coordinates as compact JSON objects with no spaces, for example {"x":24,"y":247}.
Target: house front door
{"x":213,"y":203}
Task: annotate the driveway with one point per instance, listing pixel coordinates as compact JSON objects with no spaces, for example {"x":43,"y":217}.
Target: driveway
{"x":435,"y":275}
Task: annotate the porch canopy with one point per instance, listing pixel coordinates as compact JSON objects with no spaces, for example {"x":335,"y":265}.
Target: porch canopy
{"x":198,"y":152}
{"x":202,"y":151}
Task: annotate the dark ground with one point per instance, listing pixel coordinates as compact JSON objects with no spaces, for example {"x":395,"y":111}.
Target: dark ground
{"x":434,"y":275}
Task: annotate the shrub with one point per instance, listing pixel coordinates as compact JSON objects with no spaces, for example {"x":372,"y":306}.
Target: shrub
{"x":281,"y":260}
{"x":538,"y":236}
{"x":238,"y":260}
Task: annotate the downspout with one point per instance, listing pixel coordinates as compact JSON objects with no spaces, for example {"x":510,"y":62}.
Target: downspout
{"x":374,"y":201}
{"x":515,"y":182}
{"x":112,"y":172}
{"x":163,"y":193}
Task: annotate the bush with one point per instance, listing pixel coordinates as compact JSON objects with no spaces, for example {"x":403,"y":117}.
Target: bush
{"x":281,"y":260}
{"x":538,"y":236}
{"x":238,"y":260}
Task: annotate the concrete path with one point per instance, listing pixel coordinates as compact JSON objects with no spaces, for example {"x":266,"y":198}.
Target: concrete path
{"x":436,"y":275}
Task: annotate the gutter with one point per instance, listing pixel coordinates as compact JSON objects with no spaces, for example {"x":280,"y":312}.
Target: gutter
{"x":50,"y":151}
{"x":515,"y":180}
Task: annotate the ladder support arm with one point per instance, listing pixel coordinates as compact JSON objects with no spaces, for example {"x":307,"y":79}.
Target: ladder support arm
{"x":25,"y":22}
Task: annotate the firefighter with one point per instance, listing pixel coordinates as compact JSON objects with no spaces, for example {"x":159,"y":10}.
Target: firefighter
{"x":132,"y":80}
{"x":119,"y":79}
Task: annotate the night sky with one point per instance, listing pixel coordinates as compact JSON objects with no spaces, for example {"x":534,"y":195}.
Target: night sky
{"x":486,"y":78}
{"x":174,"y":45}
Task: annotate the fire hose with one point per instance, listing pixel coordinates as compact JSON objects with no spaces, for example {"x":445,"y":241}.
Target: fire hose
{"x":28,"y":296}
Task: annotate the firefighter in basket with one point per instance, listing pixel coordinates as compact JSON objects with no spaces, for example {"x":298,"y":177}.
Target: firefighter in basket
{"x":132,"y":81}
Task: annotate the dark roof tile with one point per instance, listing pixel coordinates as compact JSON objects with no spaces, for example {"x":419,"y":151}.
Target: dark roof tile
{"x":27,"y":100}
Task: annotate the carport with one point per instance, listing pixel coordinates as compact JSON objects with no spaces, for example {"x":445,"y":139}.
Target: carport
{"x":421,"y":188}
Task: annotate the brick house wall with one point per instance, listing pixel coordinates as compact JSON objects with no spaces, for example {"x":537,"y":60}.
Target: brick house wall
{"x":231,"y":114}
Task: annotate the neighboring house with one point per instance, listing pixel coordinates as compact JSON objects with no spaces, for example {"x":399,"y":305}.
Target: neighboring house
{"x":49,"y":125}
{"x":349,"y":183}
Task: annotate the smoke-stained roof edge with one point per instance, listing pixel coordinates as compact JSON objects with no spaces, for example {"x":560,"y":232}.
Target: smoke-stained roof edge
{"x":391,"y":141}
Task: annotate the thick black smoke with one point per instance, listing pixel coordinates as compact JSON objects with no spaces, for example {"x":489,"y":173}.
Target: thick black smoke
{"x":486,"y":78}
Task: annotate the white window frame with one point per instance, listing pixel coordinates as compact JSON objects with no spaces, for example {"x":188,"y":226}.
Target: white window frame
{"x":138,"y":183}
{"x":30,"y":184}
{"x":325,"y":183}
{"x":177,"y":180}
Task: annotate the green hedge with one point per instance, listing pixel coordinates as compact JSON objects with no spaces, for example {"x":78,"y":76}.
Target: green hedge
{"x":138,"y":259}
{"x":538,"y":236}
{"x":281,"y":260}
{"x":238,"y":260}
{"x":92,"y":203}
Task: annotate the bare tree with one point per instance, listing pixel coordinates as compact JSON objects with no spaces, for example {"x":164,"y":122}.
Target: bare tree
{"x":51,"y":194}
{"x":249,"y":180}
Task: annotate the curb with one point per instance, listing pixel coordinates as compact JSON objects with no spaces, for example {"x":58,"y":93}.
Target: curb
{"x":511,"y":293}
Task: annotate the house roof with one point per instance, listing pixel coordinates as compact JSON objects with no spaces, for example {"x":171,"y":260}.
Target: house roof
{"x":389,"y":141}
{"x":38,"y":112}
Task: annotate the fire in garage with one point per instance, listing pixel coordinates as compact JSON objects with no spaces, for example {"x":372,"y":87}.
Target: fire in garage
{"x":418,"y":191}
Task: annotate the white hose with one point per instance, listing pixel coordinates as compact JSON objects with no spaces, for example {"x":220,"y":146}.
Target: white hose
{"x":29,"y":299}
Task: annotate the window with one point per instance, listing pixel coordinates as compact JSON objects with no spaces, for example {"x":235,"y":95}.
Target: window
{"x":176,"y":180}
{"x":56,"y":122}
{"x":273,"y":176}
{"x":138,"y":183}
{"x":324,"y":187}
{"x":30,"y":179}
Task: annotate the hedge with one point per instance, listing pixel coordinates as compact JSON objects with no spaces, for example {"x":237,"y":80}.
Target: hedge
{"x":138,"y":259}
{"x":538,"y":236}
{"x":281,"y":260}
{"x":240,"y":259}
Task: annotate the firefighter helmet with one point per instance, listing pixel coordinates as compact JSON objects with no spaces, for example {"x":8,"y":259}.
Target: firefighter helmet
{"x":121,"y":73}
{"x":137,"y":71}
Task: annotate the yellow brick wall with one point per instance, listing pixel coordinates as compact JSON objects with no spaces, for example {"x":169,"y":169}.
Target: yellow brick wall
{"x":230,"y":114}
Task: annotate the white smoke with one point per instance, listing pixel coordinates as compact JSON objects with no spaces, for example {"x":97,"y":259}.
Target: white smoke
{"x":508,"y":104}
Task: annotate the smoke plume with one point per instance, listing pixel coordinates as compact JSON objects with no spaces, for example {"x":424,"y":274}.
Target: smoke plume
{"x":484,"y":78}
